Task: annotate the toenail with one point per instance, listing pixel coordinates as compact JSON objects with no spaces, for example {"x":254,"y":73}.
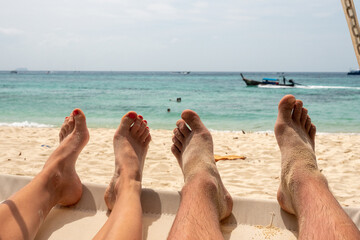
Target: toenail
{"x":145,"y":121}
{"x":141,"y":117}
{"x":132,"y":115}
{"x":66,"y":118}
{"x":147,"y":127}
{"x":76,"y":112}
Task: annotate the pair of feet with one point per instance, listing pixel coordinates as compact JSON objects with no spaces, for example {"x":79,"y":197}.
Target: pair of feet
{"x":193,"y":148}
{"x":131,"y":142}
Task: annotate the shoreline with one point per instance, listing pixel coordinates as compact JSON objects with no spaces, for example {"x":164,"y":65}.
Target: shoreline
{"x":24,"y":151}
{"x":26,"y":124}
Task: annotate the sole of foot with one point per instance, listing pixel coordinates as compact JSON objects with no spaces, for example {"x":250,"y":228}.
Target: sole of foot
{"x":60,"y":167}
{"x":193,"y":149}
{"x":131,"y":142}
{"x":295,"y":135}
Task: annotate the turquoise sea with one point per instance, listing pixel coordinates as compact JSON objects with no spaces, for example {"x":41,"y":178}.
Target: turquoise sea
{"x":222,"y":99}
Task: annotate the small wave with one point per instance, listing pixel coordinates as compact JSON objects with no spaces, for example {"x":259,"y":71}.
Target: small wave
{"x":339,"y":133}
{"x":310,"y":87}
{"x":25,"y":124}
{"x":264,"y":132}
{"x":273,"y":86}
{"x":241,"y":131}
{"x":225,"y":131}
{"x":327,"y":87}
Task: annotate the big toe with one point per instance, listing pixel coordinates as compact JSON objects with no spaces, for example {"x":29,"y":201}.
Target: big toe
{"x":286,"y":106}
{"x":192,"y":119}
{"x":80,"y":119}
{"x":127,"y":120}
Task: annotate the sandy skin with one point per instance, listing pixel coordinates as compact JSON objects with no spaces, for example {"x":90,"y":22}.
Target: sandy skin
{"x":303,"y":190}
{"x":131,"y":142}
{"x":194,"y":151}
{"x":295,"y":135}
{"x":204,"y":198}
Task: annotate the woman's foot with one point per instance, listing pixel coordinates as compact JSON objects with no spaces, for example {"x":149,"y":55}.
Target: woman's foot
{"x":131,"y":142}
{"x":193,"y":148}
{"x":295,"y":135}
{"x":59,"y":169}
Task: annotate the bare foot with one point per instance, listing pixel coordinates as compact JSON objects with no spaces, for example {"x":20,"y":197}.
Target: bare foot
{"x":60,"y":167}
{"x":194,"y":151}
{"x":295,"y":135}
{"x":131,"y":142}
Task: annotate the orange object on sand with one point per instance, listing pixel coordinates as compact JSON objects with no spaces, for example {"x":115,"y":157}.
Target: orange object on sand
{"x":228,"y":157}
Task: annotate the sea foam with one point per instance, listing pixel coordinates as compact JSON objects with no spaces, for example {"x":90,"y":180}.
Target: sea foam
{"x":310,"y":87}
{"x":25,"y":124}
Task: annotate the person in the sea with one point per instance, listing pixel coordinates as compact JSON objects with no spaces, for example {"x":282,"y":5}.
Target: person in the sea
{"x":204,"y":199}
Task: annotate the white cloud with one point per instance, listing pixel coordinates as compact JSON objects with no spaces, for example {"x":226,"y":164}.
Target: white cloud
{"x":133,"y":13}
{"x":10,"y":31}
{"x":101,"y":14}
{"x":161,"y":8}
{"x":55,"y":40}
{"x":201,"y":4}
{"x":174,"y":40}
{"x":240,"y":16}
{"x":106,"y":30}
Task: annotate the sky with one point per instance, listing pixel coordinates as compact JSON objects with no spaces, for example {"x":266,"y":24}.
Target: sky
{"x":175,"y":35}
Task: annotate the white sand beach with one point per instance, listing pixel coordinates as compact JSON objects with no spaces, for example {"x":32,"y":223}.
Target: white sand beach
{"x":23,"y":151}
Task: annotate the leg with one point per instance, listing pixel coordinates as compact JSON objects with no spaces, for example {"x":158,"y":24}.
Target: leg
{"x":22,"y":214}
{"x":204,"y":199}
{"x":304,"y":190}
{"x":131,"y":142}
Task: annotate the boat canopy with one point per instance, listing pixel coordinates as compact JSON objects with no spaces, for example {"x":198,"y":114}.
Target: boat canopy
{"x":270,"y":79}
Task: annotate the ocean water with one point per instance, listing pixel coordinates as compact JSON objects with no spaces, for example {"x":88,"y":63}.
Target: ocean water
{"x":222,"y":99}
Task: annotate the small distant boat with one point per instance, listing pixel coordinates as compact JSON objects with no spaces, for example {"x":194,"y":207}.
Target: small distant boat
{"x":269,"y":81}
{"x":184,"y":73}
{"x":354,"y":72}
{"x":19,"y":70}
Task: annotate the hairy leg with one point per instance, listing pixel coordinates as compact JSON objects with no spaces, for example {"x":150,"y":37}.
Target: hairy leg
{"x":58,"y":183}
{"x":204,"y":199}
{"x":131,"y":142}
{"x":304,"y":191}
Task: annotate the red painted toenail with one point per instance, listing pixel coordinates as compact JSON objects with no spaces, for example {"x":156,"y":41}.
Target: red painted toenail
{"x":147,"y":127}
{"x":141,"y":117}
{"x":132,"y":115}
{"x":66,"y":118}
{"x":76,"y":112}
{"x":145,"y":121}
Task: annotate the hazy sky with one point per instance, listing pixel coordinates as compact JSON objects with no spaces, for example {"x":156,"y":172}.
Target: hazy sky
{"x":171,"y":35}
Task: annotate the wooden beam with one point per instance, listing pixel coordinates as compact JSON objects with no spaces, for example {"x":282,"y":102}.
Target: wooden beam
{"x":353,"y":24}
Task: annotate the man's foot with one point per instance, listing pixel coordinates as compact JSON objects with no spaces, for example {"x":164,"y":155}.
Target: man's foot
{"x":295,"y":135}
{"x":59,"y":169}
{"x":193,"y":149}
{"x":131,"y":142}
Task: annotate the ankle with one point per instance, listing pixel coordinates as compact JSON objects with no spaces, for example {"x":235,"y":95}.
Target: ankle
{"x":301,"y":180}
{"x":128,"y":173}
{"x":306,"y":189}
{"x":202,"y":182}
{"x":52,"y":182}
{"x":208,"y":187}
{"x":127,"y":185}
